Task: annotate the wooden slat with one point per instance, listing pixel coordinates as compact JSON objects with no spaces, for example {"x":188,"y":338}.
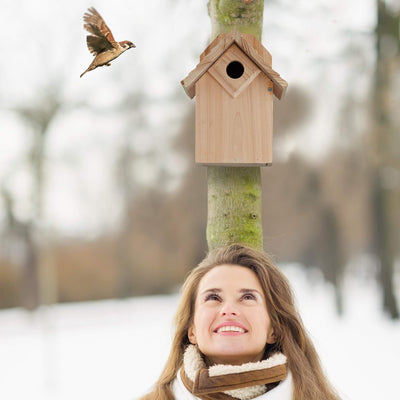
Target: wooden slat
{"x":280,"y":84}
{"x":257,"y":46}
{"x":230,"y":132}
{"x":220,"y":44}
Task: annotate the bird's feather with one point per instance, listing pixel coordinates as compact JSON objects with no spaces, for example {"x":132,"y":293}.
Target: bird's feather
{"x":97,"y":44}
{"x":103,"y":38}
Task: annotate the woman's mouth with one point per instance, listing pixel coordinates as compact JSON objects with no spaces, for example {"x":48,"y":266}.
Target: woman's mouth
{"x":230,"y":329}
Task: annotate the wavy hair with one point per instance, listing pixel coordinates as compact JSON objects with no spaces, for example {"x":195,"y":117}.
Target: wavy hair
{"x":309,"y":381}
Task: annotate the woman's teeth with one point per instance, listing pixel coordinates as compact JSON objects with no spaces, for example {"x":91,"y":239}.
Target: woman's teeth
{"x":231,"y":329}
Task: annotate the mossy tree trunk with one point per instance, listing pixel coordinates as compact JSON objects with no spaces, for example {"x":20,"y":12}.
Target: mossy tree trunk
{"x":234,"y":193}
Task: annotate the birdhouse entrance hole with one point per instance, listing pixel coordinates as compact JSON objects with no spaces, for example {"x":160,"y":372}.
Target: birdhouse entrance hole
{"x":235,"y":69}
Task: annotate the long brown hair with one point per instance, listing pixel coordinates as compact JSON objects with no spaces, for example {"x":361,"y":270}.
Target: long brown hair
{"x":309,"y":381}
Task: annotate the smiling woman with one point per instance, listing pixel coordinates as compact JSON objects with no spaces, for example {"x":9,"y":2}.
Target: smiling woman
{"x":231,"y":324}
{"x":239,"y":336}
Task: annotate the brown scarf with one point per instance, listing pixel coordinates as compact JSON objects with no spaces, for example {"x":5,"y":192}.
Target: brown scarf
{"x":224,"y":382}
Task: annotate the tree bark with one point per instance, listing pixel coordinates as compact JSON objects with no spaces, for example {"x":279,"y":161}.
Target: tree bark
{"x":234,"y":206}
{"x":384,"y":143}
{"x":234,"y":193}
{"x":245,"y":16}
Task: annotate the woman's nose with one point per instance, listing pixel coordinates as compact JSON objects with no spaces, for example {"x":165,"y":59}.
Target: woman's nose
{"x":229,"y":309}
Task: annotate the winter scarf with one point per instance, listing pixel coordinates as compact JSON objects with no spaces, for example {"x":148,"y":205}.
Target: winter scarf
{"x":228,"y":382}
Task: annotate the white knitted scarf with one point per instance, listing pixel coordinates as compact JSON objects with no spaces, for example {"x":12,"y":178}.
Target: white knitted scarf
{"x":193,"y":361}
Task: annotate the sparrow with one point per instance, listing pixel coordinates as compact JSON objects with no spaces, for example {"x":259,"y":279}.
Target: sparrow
{"x":101,"y":42}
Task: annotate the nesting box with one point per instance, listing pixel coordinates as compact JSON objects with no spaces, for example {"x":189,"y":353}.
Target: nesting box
{"x":234,"y":85}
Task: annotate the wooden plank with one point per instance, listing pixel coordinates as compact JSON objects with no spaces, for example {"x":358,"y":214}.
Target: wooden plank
{"x":224,"y":39}
{"x":280,"y":84}
{"x":257,"y":46}
{"x":205,"y":63}
{"x":233,"y":131}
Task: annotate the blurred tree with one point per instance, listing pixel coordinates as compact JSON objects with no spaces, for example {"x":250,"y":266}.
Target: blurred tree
{"x":301,"y":224}
{"x":38,"y":117}
{"x":385,"y":150}
{"x":168,"y":237}
{"x":234,"y":193}
{"x":125,"y":285}
{"x":18,"y":238}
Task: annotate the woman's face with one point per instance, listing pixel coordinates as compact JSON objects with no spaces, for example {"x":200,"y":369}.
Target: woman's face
{"x":231,"y":323}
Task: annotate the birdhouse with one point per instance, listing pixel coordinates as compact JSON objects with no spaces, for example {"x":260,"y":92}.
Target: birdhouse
{"x":234,"y":85}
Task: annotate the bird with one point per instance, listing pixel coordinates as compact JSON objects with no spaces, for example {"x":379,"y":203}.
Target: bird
{"x":101,"y":42}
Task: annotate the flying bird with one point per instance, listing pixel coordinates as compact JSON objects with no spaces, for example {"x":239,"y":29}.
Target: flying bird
{"x":101,"y":42}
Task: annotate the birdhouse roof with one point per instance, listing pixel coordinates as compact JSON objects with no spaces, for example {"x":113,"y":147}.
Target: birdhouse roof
{"x":218,"y":47}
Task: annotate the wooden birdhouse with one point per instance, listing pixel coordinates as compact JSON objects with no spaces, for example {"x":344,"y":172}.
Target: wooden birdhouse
{"x":234,"y":85}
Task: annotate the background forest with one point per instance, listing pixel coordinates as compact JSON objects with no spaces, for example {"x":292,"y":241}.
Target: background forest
{"x":99,"y":193}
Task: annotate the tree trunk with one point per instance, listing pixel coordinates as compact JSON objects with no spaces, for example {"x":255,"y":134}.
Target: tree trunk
{"x":40,"y":261}
{"x":384,"y":143}
{"x":245,"y":16}
{"x":234,"y":193}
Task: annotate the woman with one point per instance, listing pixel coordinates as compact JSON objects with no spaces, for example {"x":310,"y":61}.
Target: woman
{"x":239,"y":336}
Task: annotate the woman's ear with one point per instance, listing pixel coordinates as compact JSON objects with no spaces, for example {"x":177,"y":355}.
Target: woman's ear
{"x":271,"y":339}
{"x":192,"y":335}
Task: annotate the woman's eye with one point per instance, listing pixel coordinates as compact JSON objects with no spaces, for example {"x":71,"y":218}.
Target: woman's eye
{"x":249,"y":296}
{"x":212,"y":297}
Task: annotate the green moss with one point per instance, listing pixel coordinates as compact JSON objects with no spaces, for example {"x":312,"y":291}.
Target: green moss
{"x":229,"y":14}
{"x":234,"y":209}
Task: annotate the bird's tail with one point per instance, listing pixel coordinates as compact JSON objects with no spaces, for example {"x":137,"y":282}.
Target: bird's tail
{"x":83,"y":73}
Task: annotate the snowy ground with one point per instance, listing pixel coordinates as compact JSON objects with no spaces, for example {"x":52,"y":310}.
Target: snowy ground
{"x":116,"y":349}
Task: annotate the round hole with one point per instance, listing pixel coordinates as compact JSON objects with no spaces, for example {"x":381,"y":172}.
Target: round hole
{"x":235,"y":69}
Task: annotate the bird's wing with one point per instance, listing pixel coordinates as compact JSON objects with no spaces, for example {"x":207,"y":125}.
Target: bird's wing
{"x":103,"y":39}
{"x":97,"y":44}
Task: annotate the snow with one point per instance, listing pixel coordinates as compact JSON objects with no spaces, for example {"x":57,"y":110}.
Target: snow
{"x":115,"y":349}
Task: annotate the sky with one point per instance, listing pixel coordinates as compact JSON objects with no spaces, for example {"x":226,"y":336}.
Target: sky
{"x":316,"y":45}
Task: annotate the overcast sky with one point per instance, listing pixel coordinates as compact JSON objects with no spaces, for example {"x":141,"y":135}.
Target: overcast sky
{"x":314,"y":44}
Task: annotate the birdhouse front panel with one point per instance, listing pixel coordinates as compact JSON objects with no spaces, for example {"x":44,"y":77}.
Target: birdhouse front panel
{"x":234,"y":129}
{"x":234,"y":85}
{"x":234,"y":71}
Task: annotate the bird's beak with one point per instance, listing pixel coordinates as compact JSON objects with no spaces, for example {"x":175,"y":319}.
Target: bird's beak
{"x":132,"y":45}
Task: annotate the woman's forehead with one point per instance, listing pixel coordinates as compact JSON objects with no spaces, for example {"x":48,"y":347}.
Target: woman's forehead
{"x":229,"y":276}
